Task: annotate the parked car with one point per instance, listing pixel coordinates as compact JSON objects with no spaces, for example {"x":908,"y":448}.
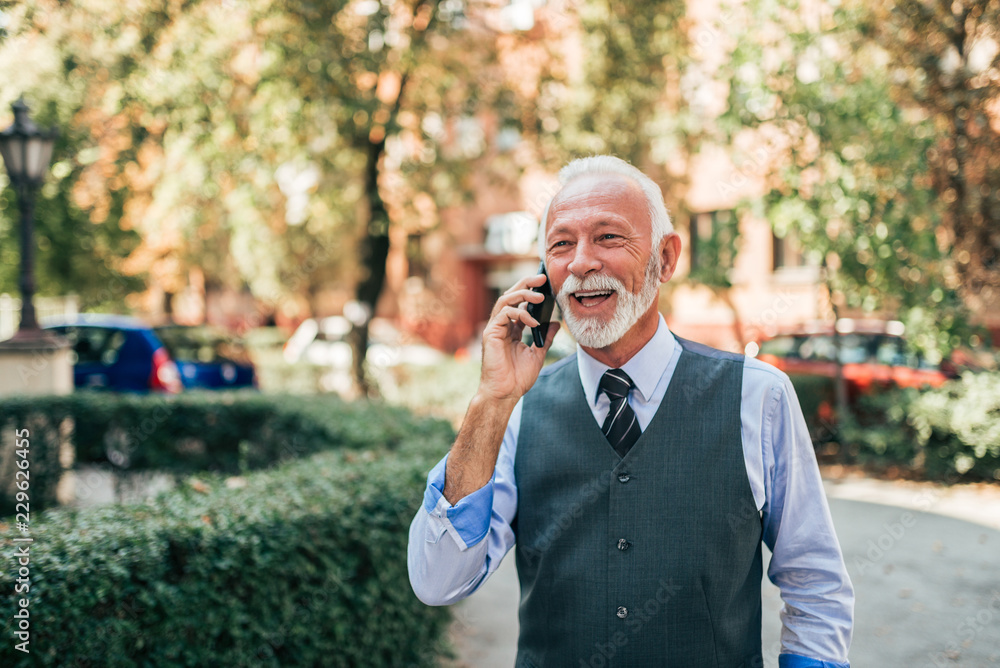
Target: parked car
{"x":874,"y":357}
{"x":208,"y":358}
{"x":873,"y":354}
{"x":114,"y":352}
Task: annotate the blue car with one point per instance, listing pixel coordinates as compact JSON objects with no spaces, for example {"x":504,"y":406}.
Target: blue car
{"x":208,"y":358}
{"x":120,"y":353}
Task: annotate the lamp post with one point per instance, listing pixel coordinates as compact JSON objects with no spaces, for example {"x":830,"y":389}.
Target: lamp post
{"x":35,"y":361}
{"x":27,"y":150}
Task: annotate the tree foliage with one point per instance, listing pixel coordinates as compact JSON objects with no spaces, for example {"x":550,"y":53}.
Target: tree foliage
{"x":76,"y":251}
{"x":944,"y":58}
{"x":273,"y":144}
{"x":263,"y":144}
{"x":851,"y":167}
{"x":187,"y":111}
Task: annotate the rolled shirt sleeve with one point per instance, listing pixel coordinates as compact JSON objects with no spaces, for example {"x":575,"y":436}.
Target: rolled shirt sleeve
{"x":468,"y":521}
{"x":453,"y":549}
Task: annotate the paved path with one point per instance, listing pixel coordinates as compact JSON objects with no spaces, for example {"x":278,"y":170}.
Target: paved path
{"x":924,"y":559}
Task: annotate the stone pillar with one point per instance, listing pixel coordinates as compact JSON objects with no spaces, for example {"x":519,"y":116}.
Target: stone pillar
{"x":33,"y":363}
{"x":36,"y":362}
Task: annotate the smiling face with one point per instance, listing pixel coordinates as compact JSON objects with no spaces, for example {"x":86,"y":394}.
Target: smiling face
{"x":603,"y":264}
{"x":597,"y":289}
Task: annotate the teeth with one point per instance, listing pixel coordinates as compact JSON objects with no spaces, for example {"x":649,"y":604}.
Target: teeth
{"x":580,"y":295}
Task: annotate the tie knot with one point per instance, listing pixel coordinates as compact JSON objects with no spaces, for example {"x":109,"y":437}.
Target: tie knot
{"x":615,"y":383}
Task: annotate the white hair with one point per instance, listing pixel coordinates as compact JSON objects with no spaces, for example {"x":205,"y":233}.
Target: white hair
{"x":609,"y":164}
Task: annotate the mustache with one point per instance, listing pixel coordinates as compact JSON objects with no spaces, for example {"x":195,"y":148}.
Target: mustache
{"x":590,"y":283}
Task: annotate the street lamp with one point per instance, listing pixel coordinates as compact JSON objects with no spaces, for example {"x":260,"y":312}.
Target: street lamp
{"x":27,"y":150}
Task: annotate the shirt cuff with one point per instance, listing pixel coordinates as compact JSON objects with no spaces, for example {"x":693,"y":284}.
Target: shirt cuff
{"x":468,"y":521}
{"x":798,"y":661}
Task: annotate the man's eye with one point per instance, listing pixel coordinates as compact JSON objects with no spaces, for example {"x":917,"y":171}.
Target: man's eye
{"x":609,"y":236}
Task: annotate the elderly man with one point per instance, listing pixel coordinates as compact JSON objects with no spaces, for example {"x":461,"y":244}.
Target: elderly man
{"x":638,"y":476}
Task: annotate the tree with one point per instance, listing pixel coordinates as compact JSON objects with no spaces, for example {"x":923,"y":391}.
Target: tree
{"x":264,"y":143}
{"x":945,"y":64}
{"x":78,"y":253}
{"x":377,"y":57}
{"x":851,"y":170}
{"x":640,"y":94}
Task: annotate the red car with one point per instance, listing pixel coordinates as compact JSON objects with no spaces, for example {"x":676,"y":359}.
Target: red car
{"x":873,"y":353}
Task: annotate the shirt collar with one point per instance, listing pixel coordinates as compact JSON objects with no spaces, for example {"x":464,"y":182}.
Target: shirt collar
{"x":645,"y":368}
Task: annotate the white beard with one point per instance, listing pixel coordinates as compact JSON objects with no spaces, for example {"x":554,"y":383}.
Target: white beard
{"x":591,"y":332}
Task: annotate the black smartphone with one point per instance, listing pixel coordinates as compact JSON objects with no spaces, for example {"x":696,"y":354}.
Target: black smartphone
{"x":542,"y":312}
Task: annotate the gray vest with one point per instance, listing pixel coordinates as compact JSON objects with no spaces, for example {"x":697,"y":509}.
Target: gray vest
{"x":648,"y":560}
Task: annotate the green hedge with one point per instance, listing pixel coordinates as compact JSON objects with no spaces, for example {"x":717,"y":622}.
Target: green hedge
{"x":950,"y":432}
{"x":45,"y":433}
{"x":305,"y":565}
{"x":226,"y":432}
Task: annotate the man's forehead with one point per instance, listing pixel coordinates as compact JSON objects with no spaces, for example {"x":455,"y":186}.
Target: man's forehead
{"x":607,"y":185}
{"x":615,"y":193}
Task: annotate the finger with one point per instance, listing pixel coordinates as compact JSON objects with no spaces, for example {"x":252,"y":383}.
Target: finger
{"x":517,"y":315}
{"x":526,"y":295}
{"x":533,"y":281}
{"x":502,"y":325}
{"x":519,"y":297}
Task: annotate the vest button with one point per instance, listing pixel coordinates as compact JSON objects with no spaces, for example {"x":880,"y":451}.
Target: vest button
{"x":624,"y":478}
{"x":623,"y":544}
{"x":622,"y":612}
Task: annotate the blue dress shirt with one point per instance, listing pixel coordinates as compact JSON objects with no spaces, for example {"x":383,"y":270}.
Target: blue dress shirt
{"x":806,"y":563}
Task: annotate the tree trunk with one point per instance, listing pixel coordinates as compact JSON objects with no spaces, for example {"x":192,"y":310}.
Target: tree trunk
{"x":374,"y":250}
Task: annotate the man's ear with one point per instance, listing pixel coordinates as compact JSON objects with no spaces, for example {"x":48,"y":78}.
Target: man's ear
{"x":670,"y":253}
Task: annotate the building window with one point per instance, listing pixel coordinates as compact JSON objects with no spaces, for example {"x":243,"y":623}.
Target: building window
{"x":786,"y":251}
{"x":713,"y":245}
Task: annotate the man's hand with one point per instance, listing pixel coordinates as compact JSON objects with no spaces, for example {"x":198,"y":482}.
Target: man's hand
{"x":510,"y":368}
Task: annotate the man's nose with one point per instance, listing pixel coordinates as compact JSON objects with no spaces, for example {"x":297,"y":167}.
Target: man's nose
{"x":585,"y":261}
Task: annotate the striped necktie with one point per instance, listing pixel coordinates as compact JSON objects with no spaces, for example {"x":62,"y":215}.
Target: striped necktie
{"x":621,"y":426}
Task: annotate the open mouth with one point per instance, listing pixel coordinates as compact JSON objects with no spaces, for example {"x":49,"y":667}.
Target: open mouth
{"x":592,"y":298}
